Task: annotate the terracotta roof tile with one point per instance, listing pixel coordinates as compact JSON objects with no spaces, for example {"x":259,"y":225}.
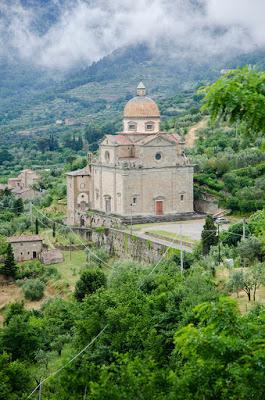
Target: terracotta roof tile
{"x":24,"y":238}
{"x":141,"y":106}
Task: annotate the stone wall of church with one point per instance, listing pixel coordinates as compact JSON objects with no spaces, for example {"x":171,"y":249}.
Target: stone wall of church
{"x":123,"y":244}
{"x":79,"y":197}
{"x":184,"y":189}
{"x":173,"y":186}
{"x":70,"y":200}
{"x":167,"y":153}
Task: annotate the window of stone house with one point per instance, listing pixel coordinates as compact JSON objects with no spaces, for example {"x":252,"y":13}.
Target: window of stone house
{"x":97,"y":194}
{"x":181,"y":197}
{"x":134,"y":200}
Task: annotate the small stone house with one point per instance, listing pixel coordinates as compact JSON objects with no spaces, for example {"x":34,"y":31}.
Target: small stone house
{"x":26,"y":247}
{"x":53,"y":256}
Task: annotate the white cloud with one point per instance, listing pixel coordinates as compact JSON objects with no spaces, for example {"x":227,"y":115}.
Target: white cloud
{"x":86,"y":30}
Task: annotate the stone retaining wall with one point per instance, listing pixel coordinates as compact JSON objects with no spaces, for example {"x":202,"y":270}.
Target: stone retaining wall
{"x":124,"y":244}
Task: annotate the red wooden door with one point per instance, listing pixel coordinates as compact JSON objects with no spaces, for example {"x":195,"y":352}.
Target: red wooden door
{"x":159,"y":207}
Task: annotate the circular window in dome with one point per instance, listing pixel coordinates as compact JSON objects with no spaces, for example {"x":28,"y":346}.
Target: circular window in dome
{"x":158,"y":156}
{"x":107,"y":156}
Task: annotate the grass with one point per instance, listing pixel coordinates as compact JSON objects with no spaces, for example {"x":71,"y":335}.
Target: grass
{"x":171,"y":235}
{"x":73,"y":264}
{"x":61,"y":239}
{"x":63,"y":286}
{"x":222,"y":276}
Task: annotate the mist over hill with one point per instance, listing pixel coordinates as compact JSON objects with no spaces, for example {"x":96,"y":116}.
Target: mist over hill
{"x":66,"y":59}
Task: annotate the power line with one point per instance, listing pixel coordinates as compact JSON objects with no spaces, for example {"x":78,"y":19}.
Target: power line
{"x":39,"y":386}
{"x":86,"y":248}
{"x":70,"y":361}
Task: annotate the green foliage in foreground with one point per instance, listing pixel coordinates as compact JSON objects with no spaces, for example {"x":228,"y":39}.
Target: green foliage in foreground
{"x":238,"y":96}
{"x":89,"y":282}
{"x":167,"y":336}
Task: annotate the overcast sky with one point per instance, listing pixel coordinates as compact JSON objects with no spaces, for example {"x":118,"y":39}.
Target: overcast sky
{"x":86,"y":30}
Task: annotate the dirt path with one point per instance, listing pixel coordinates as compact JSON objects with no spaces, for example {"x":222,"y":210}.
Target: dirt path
{"x":191,"y":135}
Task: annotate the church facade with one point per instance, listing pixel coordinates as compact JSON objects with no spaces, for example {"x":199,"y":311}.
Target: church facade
{"x":140,"y":173}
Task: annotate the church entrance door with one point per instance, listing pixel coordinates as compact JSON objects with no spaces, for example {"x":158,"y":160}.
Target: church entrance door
{"x":159,"y":207}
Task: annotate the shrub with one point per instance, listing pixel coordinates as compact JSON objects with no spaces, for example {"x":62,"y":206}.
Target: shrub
{"x":98,"y":256}
{"x":33,"y":289}
{"x":89,"y":282}
{"x":30,"y":269}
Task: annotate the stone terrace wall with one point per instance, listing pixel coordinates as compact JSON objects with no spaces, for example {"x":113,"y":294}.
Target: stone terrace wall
{"x":124,"y":244}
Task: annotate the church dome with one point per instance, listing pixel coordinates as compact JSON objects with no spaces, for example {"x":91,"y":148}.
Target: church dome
{"x":141,"y":106}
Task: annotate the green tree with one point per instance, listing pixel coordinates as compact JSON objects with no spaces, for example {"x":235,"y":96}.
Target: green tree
{"x":5,"y":156}
{"x":250,"y":250}
{"x":219,"y":355}
{"x":37,"y":226}
{"x":248,"y":280}
{"x":89,"y":282}
{"x":15,"y":379}
{"x":238,"y":96}
{"x":9,"y":268}
{"x":33,"y":289}
{"x":209,"y":237}
{"x":19,"y":206}
{"x":3,"y":245}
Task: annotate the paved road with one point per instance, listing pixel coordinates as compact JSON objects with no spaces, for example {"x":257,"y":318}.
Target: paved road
{"x":191,"y":229}
{"x":164,"y":242}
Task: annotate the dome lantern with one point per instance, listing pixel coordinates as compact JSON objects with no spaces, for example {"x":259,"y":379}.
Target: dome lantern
{"x":141,"y":114}
{"x":141,"y":90}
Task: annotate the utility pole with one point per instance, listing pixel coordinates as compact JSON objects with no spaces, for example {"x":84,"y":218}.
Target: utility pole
{"x":40,"y":390}
{"x":181,"y":251}
{"x":30,"y":212}
{"x":219,"y":244}
{"x":244,"y":229}
{"x":70,"y":249}
{"x":131,"y":218}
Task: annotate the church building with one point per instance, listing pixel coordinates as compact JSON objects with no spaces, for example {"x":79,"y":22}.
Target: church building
{"x":140,"y":174}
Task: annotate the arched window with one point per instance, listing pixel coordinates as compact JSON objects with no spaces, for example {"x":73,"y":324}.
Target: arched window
{"x":132,"y":126}
{"x":107,"y":156}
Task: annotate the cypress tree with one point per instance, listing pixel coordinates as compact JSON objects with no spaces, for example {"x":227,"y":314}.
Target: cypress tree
{"x":209,"y":236}
{"x":19,"y":207}
{"x":54,"y":230}
{"x":37,"y":226}
{"x":9,"y":268}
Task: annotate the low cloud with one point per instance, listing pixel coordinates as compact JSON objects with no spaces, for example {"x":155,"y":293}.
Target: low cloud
{"x":86,"y":30}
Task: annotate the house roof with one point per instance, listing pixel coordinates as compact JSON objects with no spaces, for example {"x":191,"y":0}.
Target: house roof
{"x":117,"y":139}
{"x":79,"y":172}
{"x":171,"y":138}
{"x":25,"y":238}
